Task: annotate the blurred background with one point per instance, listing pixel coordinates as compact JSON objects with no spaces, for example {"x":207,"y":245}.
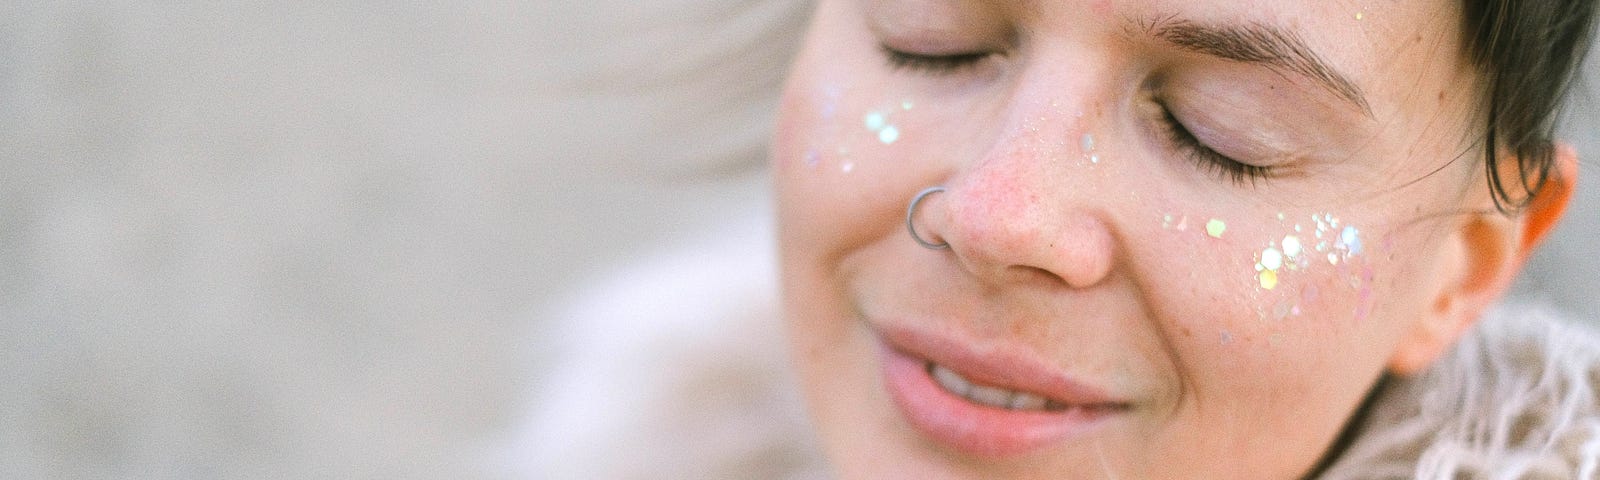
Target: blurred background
{"x":314,"y":239}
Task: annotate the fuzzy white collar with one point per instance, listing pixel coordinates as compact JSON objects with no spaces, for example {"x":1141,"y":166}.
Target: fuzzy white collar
{"x":1518,"y":398}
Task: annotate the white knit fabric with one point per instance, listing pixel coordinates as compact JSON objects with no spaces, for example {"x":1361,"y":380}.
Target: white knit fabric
{"x":1516,"y":399}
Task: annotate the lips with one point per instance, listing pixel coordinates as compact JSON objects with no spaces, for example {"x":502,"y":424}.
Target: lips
{"x":987,"y":404}
{"x":989,"y":395}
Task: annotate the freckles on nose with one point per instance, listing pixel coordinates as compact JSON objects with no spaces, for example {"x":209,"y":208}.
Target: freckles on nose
{"x":1005,"y":225}
{"x":1002,"y":214}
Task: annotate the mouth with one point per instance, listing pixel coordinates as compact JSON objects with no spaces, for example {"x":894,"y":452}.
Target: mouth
{"x":999,"y":397}
{"x":988,"y":406}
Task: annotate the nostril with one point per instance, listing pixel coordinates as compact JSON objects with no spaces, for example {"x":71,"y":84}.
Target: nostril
{"x":1031,"y":274}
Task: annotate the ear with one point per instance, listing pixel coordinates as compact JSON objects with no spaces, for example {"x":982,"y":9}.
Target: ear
{"x":1483,"y":255}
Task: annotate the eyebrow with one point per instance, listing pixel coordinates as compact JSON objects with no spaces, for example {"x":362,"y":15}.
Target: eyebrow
{"x":1266,"y":45}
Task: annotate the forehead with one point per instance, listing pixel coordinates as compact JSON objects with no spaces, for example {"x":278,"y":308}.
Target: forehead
{"x":1389,"y":50}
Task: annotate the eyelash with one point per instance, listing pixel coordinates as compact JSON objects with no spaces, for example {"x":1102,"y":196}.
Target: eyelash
{"x":1206,"y":158}
{"x":931,"y":64}
{"x":1190,"y":146}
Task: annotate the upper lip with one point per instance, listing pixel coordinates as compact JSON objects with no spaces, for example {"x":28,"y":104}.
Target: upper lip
{"x":998,"y":366}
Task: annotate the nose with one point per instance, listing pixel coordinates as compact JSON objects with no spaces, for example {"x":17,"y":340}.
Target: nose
{"x":1024,"y":214}
{"x":1003,"y":230}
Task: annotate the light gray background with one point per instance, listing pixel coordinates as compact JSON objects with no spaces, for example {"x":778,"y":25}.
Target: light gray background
{"x":305,"y":240}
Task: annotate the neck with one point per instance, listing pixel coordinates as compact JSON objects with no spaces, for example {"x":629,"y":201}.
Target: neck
{"x":1352,"y":429}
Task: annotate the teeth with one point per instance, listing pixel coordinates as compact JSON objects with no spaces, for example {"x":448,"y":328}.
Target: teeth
{"x":1026,"y":401}
{"x":992,"y":396}
{"x":951,"y":381}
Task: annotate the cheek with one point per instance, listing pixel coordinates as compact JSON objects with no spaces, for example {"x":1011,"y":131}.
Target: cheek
{"x":806,"y":123}
{"x":811,"y":156}
{"x":1317,"y":269}
{"x":1267,"y":315}
{"x":849,"y":154}
{"x":1263,"y":311}
{"x":1262,"y":278}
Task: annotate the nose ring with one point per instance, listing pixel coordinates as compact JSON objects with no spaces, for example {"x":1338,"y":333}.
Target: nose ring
{"x":912,"y":210}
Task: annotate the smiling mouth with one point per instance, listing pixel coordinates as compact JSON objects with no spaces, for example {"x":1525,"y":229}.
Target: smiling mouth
{"x":1003,"y":398}
{"x":991,"y":406}
{"x":991,"y":396}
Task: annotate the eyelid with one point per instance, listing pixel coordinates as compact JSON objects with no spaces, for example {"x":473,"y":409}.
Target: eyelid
{"x":939,"y":64}
{"x":1207,"y":158}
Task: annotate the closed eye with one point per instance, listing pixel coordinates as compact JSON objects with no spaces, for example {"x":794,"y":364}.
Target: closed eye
{"x":1206,"y":158}
{"x":931,"y":64}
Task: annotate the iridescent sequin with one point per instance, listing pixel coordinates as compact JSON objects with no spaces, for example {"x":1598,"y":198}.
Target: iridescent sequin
{"x":879,"y":122}
{"x":889,"y":134}
{"x":1215,"y":228}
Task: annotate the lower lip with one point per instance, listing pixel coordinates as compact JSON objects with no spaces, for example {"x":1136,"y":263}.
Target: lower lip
{"x":974,"y":429}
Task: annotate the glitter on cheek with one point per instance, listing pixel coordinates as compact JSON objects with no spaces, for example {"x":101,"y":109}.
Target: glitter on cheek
{"x":847,"y":167}
{"x":875,"y":121}
{"x":1268,"y":262}
{"x":888,"y":135}
{"x":1269,"y":279}
{"x":1276,"y":263}
{"x":1215,"y":228}
{"x":1291,"y":246}
{"x":1087,"y":144}
{"x":1351,"y":238}
{"x":878,"y":122}
{"x":1271,"y":259}
{"x":1180,"y":223}
{"x":812,"y":158}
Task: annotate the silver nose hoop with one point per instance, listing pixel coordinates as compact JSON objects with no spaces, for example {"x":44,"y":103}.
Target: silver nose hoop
{"x":911,"y":211}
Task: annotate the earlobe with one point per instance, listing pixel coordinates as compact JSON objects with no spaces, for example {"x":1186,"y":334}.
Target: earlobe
{"x":1482,"y":257}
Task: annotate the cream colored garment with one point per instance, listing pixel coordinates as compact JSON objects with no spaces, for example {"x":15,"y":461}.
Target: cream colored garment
{"x":677,"y":369}
{"x":1516,"y":399}
{"x":673,"y":368}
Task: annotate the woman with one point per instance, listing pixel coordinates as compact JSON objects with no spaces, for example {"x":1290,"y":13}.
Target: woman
{"x":1199,"y":239}
{"x":1115,"y":239}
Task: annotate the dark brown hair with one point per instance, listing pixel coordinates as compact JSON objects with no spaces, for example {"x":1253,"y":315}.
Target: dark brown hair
{"x":1528,"y":53}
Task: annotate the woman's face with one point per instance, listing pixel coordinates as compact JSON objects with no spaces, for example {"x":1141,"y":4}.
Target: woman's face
{"x":1184,"y":237}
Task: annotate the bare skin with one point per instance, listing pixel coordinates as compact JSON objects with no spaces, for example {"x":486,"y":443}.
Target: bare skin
{"x":1213,"y":320}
